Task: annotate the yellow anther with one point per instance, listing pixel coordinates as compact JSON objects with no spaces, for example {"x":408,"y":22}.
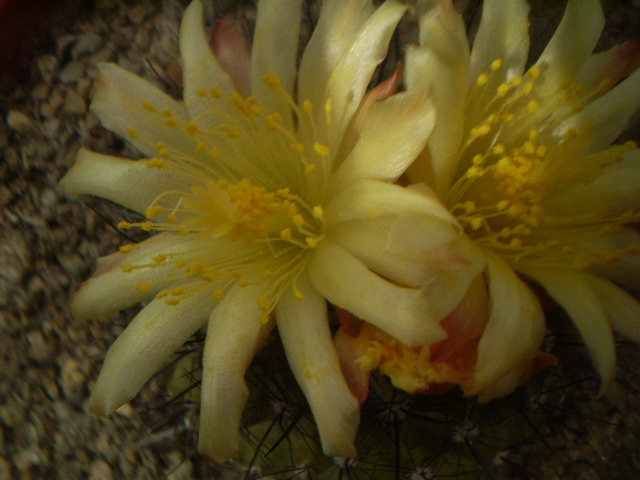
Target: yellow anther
{"x":516,"y":81}
{"x":201,"y":148}
{"x":148,"y":106}
{"x":298,"y":220}
{"x":145,"y":287}
{"x":605,"y":84}
{"x":482,"y":79}
{"x":172,"y":302}
{"x":286,"y":234}
{"x":172,"y":218}
{"x":163,"y":152}
{"x":496,"y":65}
{"x":126,"y":268}
{"x":215,"y":152}
{"x":171,"y":122}
{"x":534,"y":72}
{"x":541,"y":151}
{"x":161,"y":257}
{"x":124,"y":225}
{"x":243,"y":283}
{"x":155,"y":163}
{"x":475,"y":171}
{"x":503,"y":89}
{"x":321,"y":149}
{"x":328,"y":108}
{"x":146,"y":226}
{"x":215,"y":92}
{"x":195,"y":269}
{"x":502,"y":205}
{"x":153,"y":211}
{"x":318,"y":212}
{"x":529,"y":148}
{"x":167,"y":113}
{"x":308,"y":106}
{"x":298,"y":294}
{"x":272,"y":81}
{"x":218,"y":294}
{"x":133,"y":133}
{"x":507,"y":117}
{"x":177,"y":291}
{"x":478,"y":159}
{"x":264,"y":305}
{"x":264,"y":319}
{"x":499,"y":149}
{"x":180,"y":263}
{"x":532,"y":106}
{"x":184,"y":231}
{"x":201,"y":92}
{"x":310,"y":169}
{"x":126,"y":248}
{"x":515,"y":243}
{"x":528,"y":88}
{"x":477,"y":223}
{"x":469,"y":206}
{"x":630,"y":145}
{"x":273,"y":121}
{"x":162,"y":293}
{"x":297,"y":147}
{"x":311,"y":242}
{"x":192,"y":129}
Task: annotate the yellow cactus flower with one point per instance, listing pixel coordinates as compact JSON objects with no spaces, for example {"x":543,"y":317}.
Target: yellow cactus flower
{"x":272,"y":189}
{"x":522,"y":159}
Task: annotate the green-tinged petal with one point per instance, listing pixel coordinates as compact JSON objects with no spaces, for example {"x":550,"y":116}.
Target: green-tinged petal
{"x":622,"y":309}
{"x":234,"y":335}
{"x":371,"y":199}
{"x":572,"y":43}
{"x":403,"y":313}
{"x":305,"y":334}
{"x":384,"y":151}
{"x":129,"y":183}
{"x":379,"y":244}
{"x":503,"y":34}
{"x":575,"y":294}
{"x":352,"y":74}
{"x":275,"y":51}
{"x":339,"y":23}
{"x":200,"y":68}
{"x":111,"y":289}
{"x":141,"y":350}
{"x":118,"y":102}
{"x":606,"y":117}
{"x":515,"y":329}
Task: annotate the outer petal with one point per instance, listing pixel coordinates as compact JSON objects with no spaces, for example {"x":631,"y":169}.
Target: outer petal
{"x":234,"y":335}
{"x":503,"y":34}
{"x":129,"y":183}
{"x":515,"y":328}
{"x":442,"y":30}
{"x":151,"y":337}
{"x":615,"y":64}
{"x":384,"y":150}
{"x":352,"y":74}
{"x":304,"y":329}
{"x":345,"y":281}
{"x":622,"y":309}
{"x":370,"y":199}
{"x":572,"y":42}
{"x":339,"y":23}
{"x":575,"y":294}
{"x":118,"y":102}
{"x":275,"y":50}
{"x":200,"y":68}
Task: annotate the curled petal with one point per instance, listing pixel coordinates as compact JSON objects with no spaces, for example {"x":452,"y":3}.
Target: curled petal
{"x":139,"y":352}
{"x":304,"y":329}
{"x":403,"y":313}
{"x":576,"y":295}
{"x":234,"y":334}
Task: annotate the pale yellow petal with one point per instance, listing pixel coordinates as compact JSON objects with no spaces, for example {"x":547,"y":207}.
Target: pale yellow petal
{"x":304,"y":329}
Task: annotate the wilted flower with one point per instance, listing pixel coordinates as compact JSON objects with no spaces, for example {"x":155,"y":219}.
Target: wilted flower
{"x":523,"y":161}
{"x":271,"y":187}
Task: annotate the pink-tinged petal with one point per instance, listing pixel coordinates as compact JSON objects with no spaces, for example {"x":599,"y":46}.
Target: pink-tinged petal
{"x":606,"y":117}
{"x":351,"y":76}
{"x":613,"y":65}
{"x":371,"y":199}
{"x":141,"y":350}
{"x":275,"y":51}
{"x":129,"y":183}
{"x":234,"y":335}
{"x":575,"y":294}
{"x":572,"y":43}
{"x":304,"y":329}
{"x":118,"y":102}
{"x":622,"y":309}
{"x":111,"y":289}
{"x":503,"y":34}
{"x":403,"y":313}
{"x":338,"y":25}
{"x":384,"y":150}
{"x":232,"y":52}
{"x":515,"y":328}
{"x":200,"y":68}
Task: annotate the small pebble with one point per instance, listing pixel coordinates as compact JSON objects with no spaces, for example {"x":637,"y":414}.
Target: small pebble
{"x":74,"y":103}
{"x":19,"y":121}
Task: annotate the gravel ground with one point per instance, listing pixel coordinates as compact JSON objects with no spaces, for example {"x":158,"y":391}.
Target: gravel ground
{"x":49,"y":244}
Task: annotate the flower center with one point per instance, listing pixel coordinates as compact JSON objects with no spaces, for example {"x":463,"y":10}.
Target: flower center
{"x":249,"y":209}
{"x":514,"y":160}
